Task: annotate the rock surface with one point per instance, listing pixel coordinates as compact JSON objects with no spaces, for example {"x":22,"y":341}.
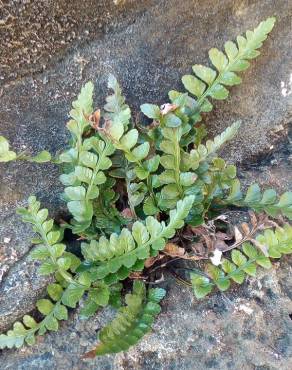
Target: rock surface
{"x":148,"y":45}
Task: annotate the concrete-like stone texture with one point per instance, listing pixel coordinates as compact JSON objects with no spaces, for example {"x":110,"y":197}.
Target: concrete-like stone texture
{"x":148,"y":45}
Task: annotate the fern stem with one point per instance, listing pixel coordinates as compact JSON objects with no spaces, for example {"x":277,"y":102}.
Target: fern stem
{"x":129,"y":193}
{"x":151,"y":192}
{"x":177,"y":163}
{"x":97,"y":168}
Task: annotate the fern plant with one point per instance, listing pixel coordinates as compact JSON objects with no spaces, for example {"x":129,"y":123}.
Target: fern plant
{"x":133,"y":192}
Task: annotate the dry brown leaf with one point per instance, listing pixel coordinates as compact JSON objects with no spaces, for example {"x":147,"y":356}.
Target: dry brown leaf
{"x":95,"y":119}
{"x":245,"y":228}
{"x":220,"y":245}
{"x":174,"y":250}
{"x":207,"y":236}
{"x":209,"y":242}
{"x":258,"y":223}
{"x":151,"y":260}
{"x":187,"y":233}
{"x":267,"y":224}
{"x":223,"y":236}
{"x":222,"y":218}
{"x":136,"y":275}
{"x":199,"y":249}
{"x":90,"y":354}
{"x":166,"y":108}
{"x":127,"y":213}
{"x":253,"y":219}
{"x":200,"y":230}
{"x":237,"y":234}
{"x":2,"y":254}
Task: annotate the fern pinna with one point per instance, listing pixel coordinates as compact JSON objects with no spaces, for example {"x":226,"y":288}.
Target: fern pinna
{"x":133,"y":192}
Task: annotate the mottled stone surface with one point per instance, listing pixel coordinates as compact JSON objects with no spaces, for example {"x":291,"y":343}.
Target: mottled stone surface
{"x":148,"y":45}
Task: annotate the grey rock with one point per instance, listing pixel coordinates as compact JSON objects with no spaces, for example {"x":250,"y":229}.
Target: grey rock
{"x":148,"y":45}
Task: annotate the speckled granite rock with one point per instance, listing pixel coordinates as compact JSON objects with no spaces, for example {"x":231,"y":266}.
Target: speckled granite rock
{"x":148,"y":45}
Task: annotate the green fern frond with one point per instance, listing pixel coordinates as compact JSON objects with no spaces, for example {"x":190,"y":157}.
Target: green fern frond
{"x":270,"y":244}
{"x":107,"y":217}
{"x":24,"y":332}
{"x":99,"y":295}
{"x":49,"y":248}
{"x":84,"y":182}
{"x":172,"y":177}
{"x":86,"y":162}
{"x":54,"y":310}
{"x":118,"y":111}
{"x":176,"y":180}
{"x":120,"y":253}
{"x":205,"y":152}
{"x":132,"y":321}
{"x":82,"y":108}
{"x":210,"y":83}
{"x":126,"y":141}
{"x":7,"y":155}
{"x":61,"y":294}
{"x":214,"y":179}
{"x":268,"y":201}
{"x":67,"y":291}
